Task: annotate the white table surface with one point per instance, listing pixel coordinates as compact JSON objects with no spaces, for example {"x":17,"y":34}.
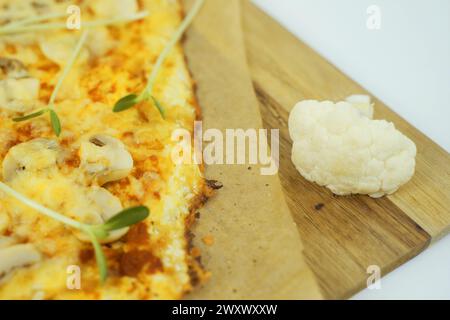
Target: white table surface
{"x":406,"y":64}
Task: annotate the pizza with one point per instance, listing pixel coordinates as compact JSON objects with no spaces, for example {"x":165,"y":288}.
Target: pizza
{"x":64,"y":150}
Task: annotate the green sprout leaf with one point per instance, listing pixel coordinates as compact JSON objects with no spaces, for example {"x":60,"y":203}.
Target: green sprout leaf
{"x":159,"y":107}
{"x":30,"y":116}
{"x":56,"y":123}
{"x":126,"y":103}
{"x":126,"y":218}
{"x":54,"y":119}
{"x":123,"y":219}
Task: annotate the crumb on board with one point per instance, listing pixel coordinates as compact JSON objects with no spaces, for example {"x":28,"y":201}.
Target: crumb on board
{"x":319,"y":206}
{"x":208,"y":240}
{"x":214,"y":184}
{"x":195,"y":252}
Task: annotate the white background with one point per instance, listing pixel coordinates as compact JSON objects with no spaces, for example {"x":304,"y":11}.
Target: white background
{"x":406,"y":64}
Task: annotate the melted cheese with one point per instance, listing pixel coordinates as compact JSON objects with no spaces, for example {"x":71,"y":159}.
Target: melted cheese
{"x":143,"y":265}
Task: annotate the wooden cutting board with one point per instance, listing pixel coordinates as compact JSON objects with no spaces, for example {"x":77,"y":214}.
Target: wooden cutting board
{"x":348,"y":234}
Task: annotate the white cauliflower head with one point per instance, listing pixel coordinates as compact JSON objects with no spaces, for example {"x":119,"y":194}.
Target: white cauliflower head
{"x":339,"y":146}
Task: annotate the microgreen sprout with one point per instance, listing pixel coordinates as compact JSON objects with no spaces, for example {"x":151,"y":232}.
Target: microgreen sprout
{"x":54,"y":119}
{"x":131,"y":100}
{"x":12,"y":15}
{"x":96,"y":233}
{"x":30,"y":25}
{"x":31,"y":20}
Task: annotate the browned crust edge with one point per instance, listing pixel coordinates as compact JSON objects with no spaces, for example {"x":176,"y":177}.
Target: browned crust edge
{"x":197,"y":272}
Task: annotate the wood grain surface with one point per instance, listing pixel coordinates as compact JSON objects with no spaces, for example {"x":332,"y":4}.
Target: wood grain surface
{"x":343,"y":236}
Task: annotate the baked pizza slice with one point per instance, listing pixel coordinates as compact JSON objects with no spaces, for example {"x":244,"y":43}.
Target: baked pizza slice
{"x":63,"y":148}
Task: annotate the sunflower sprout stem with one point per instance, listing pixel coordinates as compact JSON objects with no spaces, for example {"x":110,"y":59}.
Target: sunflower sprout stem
{"x":5,"y":30}
{"x":67,"y":68}
{"x":54,"y":119}
{"x":45,"y":211}
{"x":165,"y":53}
{"x":34,"y":19}
{"x":12,"y":15}
{"x":99,"y":255}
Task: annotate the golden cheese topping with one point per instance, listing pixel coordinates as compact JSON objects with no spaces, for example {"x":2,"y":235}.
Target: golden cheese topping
{"x":102,"y":162}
